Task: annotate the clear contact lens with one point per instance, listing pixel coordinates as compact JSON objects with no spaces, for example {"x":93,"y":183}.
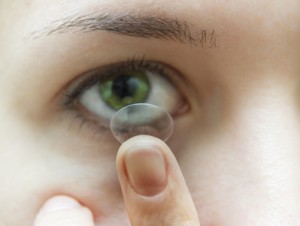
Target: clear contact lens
{"x":141,"y":119}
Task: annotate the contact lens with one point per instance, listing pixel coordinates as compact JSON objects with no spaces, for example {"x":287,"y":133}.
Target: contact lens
{"x":141,"y":119}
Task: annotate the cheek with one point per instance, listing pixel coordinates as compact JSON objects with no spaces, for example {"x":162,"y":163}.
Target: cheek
{"x":42,"y":160}
{"x":36,"y":169}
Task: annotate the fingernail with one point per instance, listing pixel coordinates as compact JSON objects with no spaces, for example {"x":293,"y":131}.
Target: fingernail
{"x":146,"y":170}
{"x":59,"y":203}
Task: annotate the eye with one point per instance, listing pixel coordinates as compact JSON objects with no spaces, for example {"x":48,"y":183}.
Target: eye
{"x":102,"y":92}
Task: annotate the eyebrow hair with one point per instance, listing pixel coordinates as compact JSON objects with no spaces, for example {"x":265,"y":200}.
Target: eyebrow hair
{"x":132,"y":25}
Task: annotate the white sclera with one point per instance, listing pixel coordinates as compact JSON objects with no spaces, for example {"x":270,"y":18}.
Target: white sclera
{"x":141,"y":119}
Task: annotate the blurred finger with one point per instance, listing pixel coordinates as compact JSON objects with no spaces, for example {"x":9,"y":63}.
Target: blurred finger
{"x":63,"y":211}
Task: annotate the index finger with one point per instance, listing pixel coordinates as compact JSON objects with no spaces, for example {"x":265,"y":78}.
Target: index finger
{"x":153,"y":186}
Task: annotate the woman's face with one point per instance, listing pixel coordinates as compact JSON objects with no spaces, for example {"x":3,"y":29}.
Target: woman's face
{"x":234,"y":67}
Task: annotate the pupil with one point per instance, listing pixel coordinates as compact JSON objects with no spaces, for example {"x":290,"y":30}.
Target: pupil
{"x":124,"y":86}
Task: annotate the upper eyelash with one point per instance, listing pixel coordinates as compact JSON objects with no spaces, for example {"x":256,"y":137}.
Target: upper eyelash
{"x":102,"y":73}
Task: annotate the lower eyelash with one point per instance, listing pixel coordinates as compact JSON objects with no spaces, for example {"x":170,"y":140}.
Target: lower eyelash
{"x":79,"y":124}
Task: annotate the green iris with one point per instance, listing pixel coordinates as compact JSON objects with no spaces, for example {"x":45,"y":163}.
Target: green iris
{"x":121,"y":90}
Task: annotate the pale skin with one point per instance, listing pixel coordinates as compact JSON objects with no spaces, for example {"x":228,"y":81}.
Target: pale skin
{"x":233,"y":159}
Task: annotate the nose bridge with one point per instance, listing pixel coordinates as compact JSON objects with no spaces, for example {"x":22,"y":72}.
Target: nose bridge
{"x":269,"y":129}
{"x":267,"y":139}
{"x":269,"y":133}
{"x":269,"y":120}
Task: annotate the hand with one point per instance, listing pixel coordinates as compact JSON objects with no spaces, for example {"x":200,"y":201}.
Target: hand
{"x":153,"y":187}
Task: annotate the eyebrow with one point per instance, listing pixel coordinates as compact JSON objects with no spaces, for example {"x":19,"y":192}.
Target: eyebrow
{"x":132,"y":25}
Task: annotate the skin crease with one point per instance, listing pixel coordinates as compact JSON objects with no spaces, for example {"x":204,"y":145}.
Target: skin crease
{"x":238,"y":146}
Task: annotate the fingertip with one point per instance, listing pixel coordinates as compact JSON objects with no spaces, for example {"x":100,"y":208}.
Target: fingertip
{"x":63,"y":211}
{"x":140,"y":141}
{"x":59,"y":203}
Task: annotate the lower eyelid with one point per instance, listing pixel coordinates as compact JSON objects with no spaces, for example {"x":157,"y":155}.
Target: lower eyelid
{"x":87,"y":129}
